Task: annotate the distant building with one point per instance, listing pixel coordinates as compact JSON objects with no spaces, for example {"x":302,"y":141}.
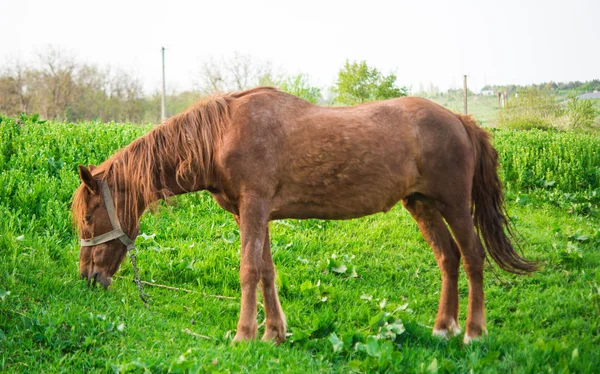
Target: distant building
{"x":590,"y":95}
{"x":487,"y":93}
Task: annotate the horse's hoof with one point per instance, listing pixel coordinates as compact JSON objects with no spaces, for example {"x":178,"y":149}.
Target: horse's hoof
{"x":473,"y":338}
{"x":274,"y":334}
{"x":449,"y":330}
{"x":245,"y":334}
{"x":241,"y":338}
{"x":468,"y":339}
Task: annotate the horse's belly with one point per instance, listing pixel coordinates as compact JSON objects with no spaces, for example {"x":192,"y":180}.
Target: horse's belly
{"x":322,"y":212}
{"x":337,"y":203}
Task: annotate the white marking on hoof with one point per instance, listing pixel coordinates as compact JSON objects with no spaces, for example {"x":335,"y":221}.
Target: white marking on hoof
{"x":452,"y":330}
{"x":469,"y":339}
{"x":440,"y":333}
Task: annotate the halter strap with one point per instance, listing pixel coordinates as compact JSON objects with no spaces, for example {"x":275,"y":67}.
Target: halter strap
{"x":117,"y":232}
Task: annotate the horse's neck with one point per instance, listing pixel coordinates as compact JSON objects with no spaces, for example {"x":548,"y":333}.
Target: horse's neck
{"x":169,"y":182}
{"x":152,"y":162}
{"x":166,"y":180}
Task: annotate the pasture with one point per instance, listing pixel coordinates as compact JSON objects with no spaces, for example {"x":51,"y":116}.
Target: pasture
{"x":484,"y":108}
{"x":359,"y":295}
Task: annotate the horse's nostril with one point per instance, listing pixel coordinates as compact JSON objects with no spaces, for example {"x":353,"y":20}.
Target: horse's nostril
{"x":95,"y":278}
{"x":92,"y":279}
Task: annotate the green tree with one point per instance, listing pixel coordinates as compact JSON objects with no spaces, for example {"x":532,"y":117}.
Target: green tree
{"x":358,"y":83}
{"x":298,"y":85}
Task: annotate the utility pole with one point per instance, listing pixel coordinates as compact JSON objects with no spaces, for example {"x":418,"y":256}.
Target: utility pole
{"x":163,"y":112}
{"x":465,"y":92}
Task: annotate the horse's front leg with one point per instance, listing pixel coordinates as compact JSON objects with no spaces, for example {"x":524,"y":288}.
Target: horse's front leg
{"x":253,"y":222}
{"x":275,"y":326}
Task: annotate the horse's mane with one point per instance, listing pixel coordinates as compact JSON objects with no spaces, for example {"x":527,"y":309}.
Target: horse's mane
{"x":185,"y":142}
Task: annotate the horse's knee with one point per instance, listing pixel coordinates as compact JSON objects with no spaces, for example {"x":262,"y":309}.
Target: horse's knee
{"x":267,"y":277}
{"x":249,"y":275}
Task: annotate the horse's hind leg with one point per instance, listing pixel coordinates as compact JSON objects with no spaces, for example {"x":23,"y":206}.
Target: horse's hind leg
{"x":461,"y":223}
{"x":447,"y":255}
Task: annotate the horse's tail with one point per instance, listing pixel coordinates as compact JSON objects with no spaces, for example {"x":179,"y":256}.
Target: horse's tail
{"x":488,"y":209}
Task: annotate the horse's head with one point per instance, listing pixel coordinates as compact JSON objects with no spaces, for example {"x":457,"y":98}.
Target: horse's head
{"x":104,"y":243}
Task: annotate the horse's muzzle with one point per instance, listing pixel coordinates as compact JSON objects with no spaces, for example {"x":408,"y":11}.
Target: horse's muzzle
{"x":96,"y":277}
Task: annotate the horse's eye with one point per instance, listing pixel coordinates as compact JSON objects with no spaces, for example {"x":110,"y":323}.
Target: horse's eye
{"x":88,"y":219}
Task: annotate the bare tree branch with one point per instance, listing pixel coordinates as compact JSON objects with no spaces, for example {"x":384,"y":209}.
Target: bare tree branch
{"x":237,"y":73}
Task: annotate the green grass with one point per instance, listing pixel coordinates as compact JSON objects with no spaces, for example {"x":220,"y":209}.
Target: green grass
{"x":484,"y":108}
{"x":51,"y":322}
{"x":567,"y":161}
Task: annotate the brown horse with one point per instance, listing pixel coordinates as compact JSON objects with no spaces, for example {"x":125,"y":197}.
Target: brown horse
{"x":267,"y":155}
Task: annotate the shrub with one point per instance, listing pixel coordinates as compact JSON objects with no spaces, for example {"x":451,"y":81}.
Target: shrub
{"x":533,"y":108}
{"x":580,"y":113}
{"x":530,"y":109}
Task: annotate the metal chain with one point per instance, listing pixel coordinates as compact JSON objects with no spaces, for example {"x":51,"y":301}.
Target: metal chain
{"x":136,"y":277}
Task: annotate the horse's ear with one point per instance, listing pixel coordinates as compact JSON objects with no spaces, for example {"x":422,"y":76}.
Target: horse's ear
{"x":86,"y":177}
{"x":91,"y":167}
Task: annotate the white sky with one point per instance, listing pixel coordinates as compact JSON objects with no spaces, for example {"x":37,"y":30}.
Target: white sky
{"x":498,"y":42}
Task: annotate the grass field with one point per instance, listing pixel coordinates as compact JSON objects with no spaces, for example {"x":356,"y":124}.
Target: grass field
{"x":359,"y":295}
{"x":484,"y":108}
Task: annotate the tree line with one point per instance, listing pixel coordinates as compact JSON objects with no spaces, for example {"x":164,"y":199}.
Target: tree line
{"x":58,"y":87}
{"x":574,"y":86}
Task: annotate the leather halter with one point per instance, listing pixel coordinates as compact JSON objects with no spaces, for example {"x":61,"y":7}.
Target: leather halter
{"x":117,"y":232}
